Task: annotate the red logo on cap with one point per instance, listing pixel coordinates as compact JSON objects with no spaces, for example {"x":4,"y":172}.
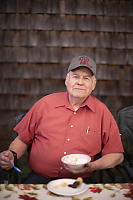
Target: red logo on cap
{"x":84,"y":60}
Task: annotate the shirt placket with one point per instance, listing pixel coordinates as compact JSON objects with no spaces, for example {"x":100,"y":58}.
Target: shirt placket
{"x":70,"y":129}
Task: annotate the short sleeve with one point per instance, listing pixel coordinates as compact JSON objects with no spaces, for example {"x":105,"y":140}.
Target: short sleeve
{"x":111,"y":137}
{"x":26,"y":127}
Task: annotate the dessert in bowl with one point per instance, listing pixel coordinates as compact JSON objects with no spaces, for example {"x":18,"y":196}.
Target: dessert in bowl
{"x":75,"y":161}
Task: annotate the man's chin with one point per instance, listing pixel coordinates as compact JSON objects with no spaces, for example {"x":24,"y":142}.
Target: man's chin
{"x":79,"y":96}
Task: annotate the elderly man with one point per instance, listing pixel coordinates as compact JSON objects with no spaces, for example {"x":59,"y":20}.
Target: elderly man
{"x":65,"y":123}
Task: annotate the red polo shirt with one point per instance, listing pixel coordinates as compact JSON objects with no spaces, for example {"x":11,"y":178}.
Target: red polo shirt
{"x":55,"y":129}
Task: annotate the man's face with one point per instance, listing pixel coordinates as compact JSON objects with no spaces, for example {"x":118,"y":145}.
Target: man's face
{"x":80,"y":83}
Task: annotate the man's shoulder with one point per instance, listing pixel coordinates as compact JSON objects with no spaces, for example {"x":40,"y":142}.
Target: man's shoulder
{"x":49,"y":101}
{"x":56,"y":95}
{"x":98,"y":102}
{"x":99,"y":105}
{"x":52,"y":98}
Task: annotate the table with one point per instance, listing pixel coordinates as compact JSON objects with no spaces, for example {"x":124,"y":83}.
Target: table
{"x":40,"y":192}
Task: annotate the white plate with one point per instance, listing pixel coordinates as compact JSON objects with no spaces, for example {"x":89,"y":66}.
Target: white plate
{"x":60,"y":187}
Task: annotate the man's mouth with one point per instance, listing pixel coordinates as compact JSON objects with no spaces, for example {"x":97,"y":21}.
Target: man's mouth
{"x":79,"y":88}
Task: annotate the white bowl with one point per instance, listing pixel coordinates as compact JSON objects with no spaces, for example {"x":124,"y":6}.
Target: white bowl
{"x":75,"y":161}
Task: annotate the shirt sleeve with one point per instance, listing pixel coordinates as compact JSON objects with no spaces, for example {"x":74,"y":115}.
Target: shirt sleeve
{"x":26,"y":127}
{"x":111,"y":137}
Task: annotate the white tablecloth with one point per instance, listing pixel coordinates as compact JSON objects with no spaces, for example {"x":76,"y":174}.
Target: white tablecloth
{"x":40,"y":192}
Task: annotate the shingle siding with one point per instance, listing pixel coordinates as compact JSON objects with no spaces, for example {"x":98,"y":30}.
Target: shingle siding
{"x":38,"y":38}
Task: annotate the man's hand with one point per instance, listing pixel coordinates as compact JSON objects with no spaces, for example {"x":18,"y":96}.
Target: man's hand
{"x":5,"y":158}
{"x":87,"y":169}
{"x":105,"y":162}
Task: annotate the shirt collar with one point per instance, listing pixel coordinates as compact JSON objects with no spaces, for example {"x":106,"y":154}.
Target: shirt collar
{"x":89,"y":102}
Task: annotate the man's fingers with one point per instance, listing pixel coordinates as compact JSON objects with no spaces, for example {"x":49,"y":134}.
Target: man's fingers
{"x":5,"y":161}
{"x":78,"y":172}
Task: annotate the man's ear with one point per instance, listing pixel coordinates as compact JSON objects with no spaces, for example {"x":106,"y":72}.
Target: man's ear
{"x":66,"y":79}
{"x":65,"y":82}
{"x":94,"y":83}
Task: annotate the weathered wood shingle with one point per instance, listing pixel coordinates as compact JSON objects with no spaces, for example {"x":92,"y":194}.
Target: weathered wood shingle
{"x":38,"y":38}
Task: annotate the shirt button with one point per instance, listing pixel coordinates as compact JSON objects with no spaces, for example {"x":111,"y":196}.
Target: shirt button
{"x":68,"y":139}
{"x":71,"y":126}
{"x":65,"y":153}
{"x":74,"y":113}
{"x":61,"y":168}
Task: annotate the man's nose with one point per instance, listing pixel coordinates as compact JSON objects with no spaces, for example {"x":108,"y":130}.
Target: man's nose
{"x":80,"y":80}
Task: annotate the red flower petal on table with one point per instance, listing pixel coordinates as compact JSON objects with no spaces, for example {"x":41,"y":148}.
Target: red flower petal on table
{"x":128,"y":195}
{"x":131,"y":187}
{"x":95,"y":189}
{"x":27,"y":197}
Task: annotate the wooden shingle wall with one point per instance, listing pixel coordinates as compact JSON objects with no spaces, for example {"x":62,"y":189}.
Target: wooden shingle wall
{"x":38,"y":38}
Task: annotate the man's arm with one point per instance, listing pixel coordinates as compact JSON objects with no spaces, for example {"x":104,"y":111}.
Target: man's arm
{"x":17,"y":146}
{"x":105,"y":162}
